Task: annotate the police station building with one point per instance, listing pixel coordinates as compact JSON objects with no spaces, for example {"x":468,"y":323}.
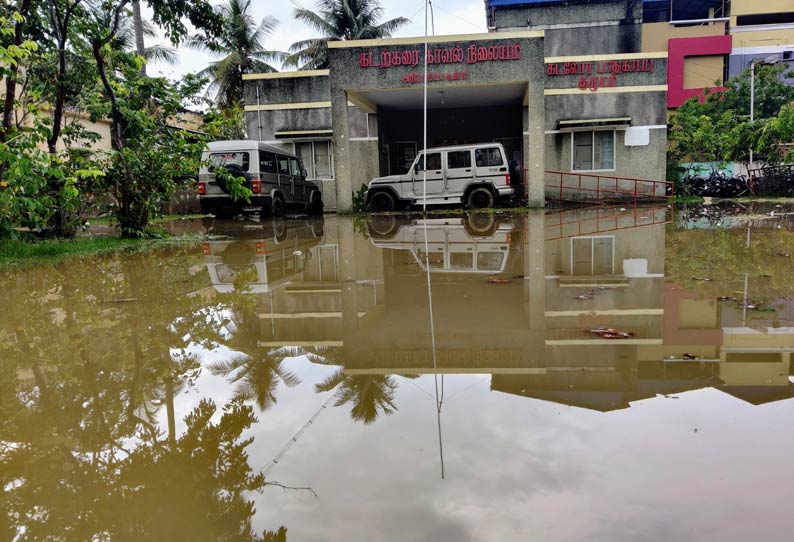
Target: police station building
{"x":564,"y":86}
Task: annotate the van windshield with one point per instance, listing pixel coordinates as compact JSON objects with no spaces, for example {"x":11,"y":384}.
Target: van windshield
{"x":236,"y":158}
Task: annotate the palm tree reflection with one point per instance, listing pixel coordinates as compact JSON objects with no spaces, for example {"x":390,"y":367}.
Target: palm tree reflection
{"x":370,"y":395}
{"x":257,"y":378}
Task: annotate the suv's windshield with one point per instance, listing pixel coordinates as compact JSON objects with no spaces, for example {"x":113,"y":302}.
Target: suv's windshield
{"x":237,"y":158}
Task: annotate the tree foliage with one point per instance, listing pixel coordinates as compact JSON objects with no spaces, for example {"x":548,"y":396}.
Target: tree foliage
{"x":242,"y":45}
{"x":715,"y":127}
{"x":338,"y":20}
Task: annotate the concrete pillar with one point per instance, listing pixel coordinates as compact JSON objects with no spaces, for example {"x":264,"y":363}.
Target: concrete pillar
{"x":348,"y":275}
{"x":342,"y":165}
{"x":535,"y":143}
{"x":535,"y":270}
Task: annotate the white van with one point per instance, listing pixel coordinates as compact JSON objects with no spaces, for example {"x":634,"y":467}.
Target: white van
{"x":276,"y":178}
{"x":475,"y":176}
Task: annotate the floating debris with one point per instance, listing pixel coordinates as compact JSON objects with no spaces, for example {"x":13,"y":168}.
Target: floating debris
{"x":497,"y":280}
{"x":704,"y":279}
{"x":611,"y":333}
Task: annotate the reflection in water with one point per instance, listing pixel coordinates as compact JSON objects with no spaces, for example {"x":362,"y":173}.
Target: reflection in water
{"x":109,"y":428}
{"x":369,"y":396}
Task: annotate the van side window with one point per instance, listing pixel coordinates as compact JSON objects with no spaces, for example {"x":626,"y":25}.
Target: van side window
{"x":458,"y":159}
{"x":433,"y":162}
{"x":294,"y":167}
{"x":488,"y":157}
{"x":267,"y":162}
{"x":283,"y":165}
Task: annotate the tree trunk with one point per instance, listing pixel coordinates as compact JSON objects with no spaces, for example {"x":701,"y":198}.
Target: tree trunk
{"x":169,"y":406}
{"x":60,"y":99}
{"x":137,"y":21}
{"x":11,"y":78}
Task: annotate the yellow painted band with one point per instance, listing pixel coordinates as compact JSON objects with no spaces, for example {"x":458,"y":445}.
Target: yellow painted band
{"x":523,"y":34}
{"x":285,"y":75}
{"x":604,"y":90}
{"x":303,"y":132}
{"x":596,"y":58}
{"x":277,"y":107}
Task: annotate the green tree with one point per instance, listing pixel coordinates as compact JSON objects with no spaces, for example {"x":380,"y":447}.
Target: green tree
{"x":242,"y":42}
{"x":715,"y":127}
{"x":338,"y":20}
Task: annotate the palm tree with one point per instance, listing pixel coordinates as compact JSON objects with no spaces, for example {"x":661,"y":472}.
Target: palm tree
{"x":242,"y":43}
{"x":370,"y":395}
{"x":339,"y":20}
{"x":130,"y":37}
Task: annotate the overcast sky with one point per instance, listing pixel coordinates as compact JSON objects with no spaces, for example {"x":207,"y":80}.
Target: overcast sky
{"x":451,"y":17}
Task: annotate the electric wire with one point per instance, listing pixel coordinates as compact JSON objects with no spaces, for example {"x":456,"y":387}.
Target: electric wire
{"x":296,"y":436}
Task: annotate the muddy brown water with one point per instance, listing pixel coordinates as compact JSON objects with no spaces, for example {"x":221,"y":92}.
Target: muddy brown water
{"x":599,"y":374}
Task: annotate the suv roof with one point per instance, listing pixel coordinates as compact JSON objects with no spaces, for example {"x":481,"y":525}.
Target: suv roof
{"x":245,"y":145}
{"x":458,"y":147}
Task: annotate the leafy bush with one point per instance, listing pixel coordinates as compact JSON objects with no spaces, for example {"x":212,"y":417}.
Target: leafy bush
{"x":360,"y":199}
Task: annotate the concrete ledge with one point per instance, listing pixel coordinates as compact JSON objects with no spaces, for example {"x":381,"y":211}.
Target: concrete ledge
{"x":285,"y":75}
{"x":524,"y":34}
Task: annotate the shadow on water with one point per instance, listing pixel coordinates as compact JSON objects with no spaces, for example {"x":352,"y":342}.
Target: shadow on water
{"x":142,"y":382}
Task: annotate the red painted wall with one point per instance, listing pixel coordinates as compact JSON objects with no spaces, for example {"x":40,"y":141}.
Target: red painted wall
{"x":680,"y":48}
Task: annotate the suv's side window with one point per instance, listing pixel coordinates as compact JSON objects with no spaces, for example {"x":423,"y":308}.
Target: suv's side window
{"x":458,"y":159}
{"x":433,"y":162}
{"x":283,"y":165}
{"x":294,"y":167}
{"x":267,"y":162}
{"x":488,"y":157}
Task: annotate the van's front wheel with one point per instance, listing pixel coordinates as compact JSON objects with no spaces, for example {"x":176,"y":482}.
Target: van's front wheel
{"x":480,"y":198}
{"x":381,"y":202}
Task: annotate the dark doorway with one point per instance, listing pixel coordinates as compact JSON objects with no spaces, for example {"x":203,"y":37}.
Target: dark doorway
{"x":400,"y":132}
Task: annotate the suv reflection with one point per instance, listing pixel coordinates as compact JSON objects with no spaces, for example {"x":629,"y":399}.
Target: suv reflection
{"x":261,"y":256}
{"x":473,"y":243}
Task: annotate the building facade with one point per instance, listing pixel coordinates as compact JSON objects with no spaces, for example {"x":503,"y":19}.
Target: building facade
{"x":564,"y":86}
{"x":580,"y":86}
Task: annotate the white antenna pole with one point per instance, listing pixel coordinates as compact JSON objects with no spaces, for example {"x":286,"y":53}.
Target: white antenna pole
{"x":424,"y":124}
{"x":427,"y":260}
{"x":258,"y":115}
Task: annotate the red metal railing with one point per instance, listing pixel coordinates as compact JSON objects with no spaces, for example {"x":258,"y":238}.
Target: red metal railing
{"x":605,"y":220}
{"x":608,"y":187}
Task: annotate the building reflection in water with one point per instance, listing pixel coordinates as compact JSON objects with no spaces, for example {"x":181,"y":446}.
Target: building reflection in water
{"x":571,"y":307}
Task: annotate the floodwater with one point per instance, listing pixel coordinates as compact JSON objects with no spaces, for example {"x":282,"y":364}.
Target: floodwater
{"x":602,"y":374}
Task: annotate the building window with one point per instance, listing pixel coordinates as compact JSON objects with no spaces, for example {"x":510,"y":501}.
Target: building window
{"x":317,"y":158}
{"x":593,"y":151}
{"x":592,"y":256}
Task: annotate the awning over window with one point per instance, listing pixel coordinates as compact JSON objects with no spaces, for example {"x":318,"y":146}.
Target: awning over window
{"x":585,"y":124}
{"x":301,"y":134}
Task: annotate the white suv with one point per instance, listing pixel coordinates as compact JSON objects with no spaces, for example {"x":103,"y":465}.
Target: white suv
{"x":475,"y":176}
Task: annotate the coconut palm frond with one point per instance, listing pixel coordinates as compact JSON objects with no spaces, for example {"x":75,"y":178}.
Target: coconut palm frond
{"x":161,"y":53}
{"x":338,"y":20}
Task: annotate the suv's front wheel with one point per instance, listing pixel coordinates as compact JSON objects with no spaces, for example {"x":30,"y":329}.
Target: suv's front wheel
{"x":480,"y":198}
{"x":381,"y":202}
